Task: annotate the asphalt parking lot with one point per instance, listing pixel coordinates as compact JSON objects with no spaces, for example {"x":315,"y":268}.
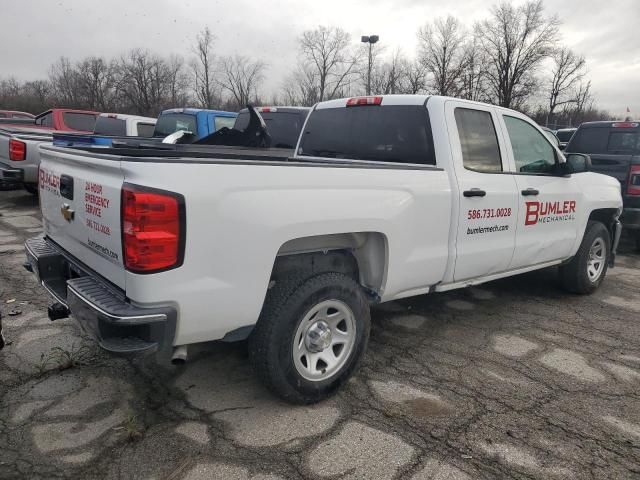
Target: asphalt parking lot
{"x":513,"y":379}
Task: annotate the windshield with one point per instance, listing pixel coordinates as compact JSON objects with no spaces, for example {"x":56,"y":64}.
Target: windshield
{"x":173,"y":122}
{"x":283,"y":127}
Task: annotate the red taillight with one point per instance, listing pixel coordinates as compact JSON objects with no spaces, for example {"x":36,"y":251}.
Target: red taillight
{"x":625,"y":125}
{"x":357,"y":101}
{"x":152,"y":229}
{"x":17,"y":150}
{"x":268,"y":109}
{"x":634,"y":180}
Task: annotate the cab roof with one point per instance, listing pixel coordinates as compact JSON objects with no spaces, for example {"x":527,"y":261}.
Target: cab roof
{"x":195,"y":111}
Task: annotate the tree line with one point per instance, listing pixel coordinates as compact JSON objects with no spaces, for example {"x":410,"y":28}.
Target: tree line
{"x":513,"y":58}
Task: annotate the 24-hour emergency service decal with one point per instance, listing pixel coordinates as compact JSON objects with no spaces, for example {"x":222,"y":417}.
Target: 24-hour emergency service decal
{"x":549,"y":212}
{"x":94,"y":204}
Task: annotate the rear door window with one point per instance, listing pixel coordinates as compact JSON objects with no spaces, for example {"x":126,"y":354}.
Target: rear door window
{"x":145,"y":129}
{"x":79,"y":121}
{"x":393,"y":133}
{"x":110,"y":126}
{"x":478,"y":140}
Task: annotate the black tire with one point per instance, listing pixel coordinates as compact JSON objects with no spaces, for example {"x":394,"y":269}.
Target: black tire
{"x":637,"y":235}
{"x":574,"y":275}
{"x":271,"y":342}
{"x":32,"y":188}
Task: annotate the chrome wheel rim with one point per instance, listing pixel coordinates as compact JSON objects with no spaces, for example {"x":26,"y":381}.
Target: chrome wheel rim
{"x":596,"y":260}
{"x":324,"y":340}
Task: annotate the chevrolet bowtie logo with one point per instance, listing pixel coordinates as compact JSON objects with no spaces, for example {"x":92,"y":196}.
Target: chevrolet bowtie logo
{"x":67,"y":212}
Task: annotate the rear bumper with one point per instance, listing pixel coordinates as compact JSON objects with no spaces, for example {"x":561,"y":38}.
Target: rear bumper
{"x":102,"y":310}
{"x":9,"y":174}
{"x":630,"y":218}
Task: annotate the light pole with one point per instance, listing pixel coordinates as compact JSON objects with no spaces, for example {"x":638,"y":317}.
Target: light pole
{"x":370,"y":39}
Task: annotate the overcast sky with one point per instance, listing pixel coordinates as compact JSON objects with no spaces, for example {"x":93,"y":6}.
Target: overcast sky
{"x":33,"y":33}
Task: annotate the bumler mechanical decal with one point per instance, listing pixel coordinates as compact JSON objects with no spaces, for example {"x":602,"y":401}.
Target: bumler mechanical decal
{"x":549,"y":212}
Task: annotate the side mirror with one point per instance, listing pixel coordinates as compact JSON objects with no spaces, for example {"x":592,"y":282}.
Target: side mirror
{"x":577,"y":163}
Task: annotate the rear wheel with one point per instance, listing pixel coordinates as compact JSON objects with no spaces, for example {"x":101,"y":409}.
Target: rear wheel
{"x":587,"y":269}
{"x":310,"y":336}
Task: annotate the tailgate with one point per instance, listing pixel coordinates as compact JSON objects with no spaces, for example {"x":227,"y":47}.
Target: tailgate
{"x":80,"y":201}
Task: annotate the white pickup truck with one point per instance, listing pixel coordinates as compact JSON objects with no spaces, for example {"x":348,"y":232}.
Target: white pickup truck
{"x":386,"y":197}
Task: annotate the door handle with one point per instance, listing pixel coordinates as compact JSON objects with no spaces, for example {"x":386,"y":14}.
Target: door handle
{"x":530,"y":192}
{"x":474,"y":192}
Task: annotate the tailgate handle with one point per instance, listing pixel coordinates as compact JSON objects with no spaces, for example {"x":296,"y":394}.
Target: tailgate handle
{"x":66,"y":187}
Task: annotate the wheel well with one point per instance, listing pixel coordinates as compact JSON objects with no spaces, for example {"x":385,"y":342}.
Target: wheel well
{"x":361,"y":255}
{"x":606,"y":216}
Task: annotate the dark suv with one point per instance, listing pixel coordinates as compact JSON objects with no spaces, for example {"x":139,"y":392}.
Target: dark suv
{"x":614,"y":148}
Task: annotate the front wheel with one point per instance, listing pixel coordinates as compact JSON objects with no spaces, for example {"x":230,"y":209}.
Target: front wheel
{"x":310,"y":336}
{"x":587,"y":269}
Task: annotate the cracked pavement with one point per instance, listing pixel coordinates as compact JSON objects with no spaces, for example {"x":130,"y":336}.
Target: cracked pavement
{"x":512,"y":379}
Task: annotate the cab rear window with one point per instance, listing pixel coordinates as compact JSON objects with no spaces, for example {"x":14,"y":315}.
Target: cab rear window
{"x":173,"y":122}
{"x":110,"y":126}
{"x":393,"y":133}
{"x":605,"y":140}
{"x":80,"y":121}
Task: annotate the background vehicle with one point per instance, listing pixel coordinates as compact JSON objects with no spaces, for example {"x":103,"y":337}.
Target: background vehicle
{"x":19,"y":155}
{"x":614,"y":148}
{"x":66,"y":119}
{"x":564,"y":135}
{"x":16,"y":115}
{"x":199,"y":122}
{"x":109,"y":126}
{"x":553,"y":138}
{"x":386,"y":197}
{"x":284,"y":123}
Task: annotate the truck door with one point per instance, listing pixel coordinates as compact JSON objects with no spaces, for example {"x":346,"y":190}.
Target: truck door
{"x":549,"y":203}
{"x":487,"y":196}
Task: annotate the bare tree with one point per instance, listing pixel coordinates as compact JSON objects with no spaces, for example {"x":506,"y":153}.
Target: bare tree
{"x":178,"y":81}
{"x":300,"y":88}
{"x":241,"y":77}
{"x":568,"y":69}
{"x":473,"y":79}
{"x":327,"y":51}
{"x":516,"y":39}
{"x":203,"y":69}
{"x":96,"y":83}
{"x":389,"y":77}
{"x":64,"y":79}
{"x":441,"y":52}
{"x":144,"y":81}
{"x":415,"y":79}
